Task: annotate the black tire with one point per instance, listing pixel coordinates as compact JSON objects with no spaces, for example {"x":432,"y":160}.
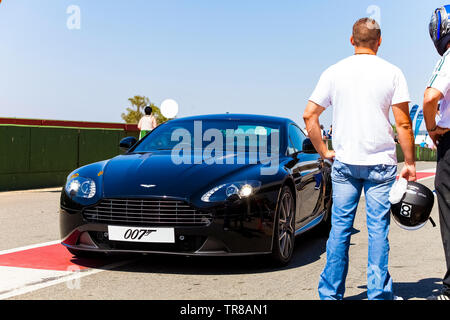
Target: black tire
{"x":284,"y":229}
{"x":84,"y":254}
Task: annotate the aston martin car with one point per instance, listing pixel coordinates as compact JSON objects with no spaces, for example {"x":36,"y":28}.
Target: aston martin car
{"x":215,"y":185}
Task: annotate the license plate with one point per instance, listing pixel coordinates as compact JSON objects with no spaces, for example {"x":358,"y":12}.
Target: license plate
{"x":146,"y":235}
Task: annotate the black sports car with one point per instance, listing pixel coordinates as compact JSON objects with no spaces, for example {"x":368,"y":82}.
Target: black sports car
{"x":205,"y":185}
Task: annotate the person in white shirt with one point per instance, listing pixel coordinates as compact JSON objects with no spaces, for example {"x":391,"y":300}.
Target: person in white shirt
{"x":437,"y":120}
{"x":362,"y":89}
{"x":147,"y":122}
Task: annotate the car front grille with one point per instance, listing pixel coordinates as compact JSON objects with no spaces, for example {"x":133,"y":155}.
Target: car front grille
{"x":148,"y":212}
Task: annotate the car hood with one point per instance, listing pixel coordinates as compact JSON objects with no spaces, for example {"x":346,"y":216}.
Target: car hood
{"x":155,"y":174}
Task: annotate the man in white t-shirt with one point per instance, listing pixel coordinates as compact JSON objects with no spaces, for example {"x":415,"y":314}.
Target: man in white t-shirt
{"x":362,"y":89}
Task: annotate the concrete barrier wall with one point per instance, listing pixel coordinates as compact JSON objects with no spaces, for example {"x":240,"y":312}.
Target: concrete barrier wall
{"x":39,"y":157}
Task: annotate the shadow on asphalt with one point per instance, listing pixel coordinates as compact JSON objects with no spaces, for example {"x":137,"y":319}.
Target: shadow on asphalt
{"x":309,"y":248}
{"x":408,"y":290}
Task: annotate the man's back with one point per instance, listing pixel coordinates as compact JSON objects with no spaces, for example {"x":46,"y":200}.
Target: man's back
{"x":361,"y":90}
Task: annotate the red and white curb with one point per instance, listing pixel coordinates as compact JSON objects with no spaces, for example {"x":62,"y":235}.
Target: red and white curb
{"x":425,"y":174}
{"x":27,"y":269}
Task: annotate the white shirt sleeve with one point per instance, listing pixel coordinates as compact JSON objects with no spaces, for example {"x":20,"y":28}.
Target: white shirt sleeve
{"x":441,"y":79}
{"x":322,"y":93}
{"x":401,"y":92}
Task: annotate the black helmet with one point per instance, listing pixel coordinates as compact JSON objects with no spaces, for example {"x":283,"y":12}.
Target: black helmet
{"x":440,"y":28}
{"x":414,"y":209}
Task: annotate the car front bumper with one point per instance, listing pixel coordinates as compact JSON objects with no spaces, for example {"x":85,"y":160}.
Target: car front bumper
{"x":245,"y":228}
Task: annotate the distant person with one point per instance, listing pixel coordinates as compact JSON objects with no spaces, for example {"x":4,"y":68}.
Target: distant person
{"x":324,"y":133}
{"x":362,"y":89}
{"x":423,"y":144}
{"x":330,"y":133}
{"x":437,"y":120}
{"x":147,"y":122}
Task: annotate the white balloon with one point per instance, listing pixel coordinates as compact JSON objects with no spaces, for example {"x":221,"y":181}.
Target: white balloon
{"x":169,"y":108}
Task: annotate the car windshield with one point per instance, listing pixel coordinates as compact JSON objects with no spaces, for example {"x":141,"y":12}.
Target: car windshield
{"x":243,"y":136}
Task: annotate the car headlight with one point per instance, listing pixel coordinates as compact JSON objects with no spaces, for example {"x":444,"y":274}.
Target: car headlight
{"x":224,"y":191}
{"x":81,"y":187}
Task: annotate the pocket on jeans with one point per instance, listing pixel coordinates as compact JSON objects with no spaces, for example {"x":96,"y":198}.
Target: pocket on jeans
{"x":383,"y":173}
{"x":338,"y":172}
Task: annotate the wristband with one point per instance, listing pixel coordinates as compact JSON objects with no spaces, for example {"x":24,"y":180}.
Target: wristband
{"x":433,"y":130}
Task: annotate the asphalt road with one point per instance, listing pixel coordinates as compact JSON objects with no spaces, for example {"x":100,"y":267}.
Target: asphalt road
{"x":416,"y":262}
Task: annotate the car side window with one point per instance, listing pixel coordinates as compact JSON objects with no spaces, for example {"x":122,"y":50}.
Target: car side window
{"x":296,"y":138}
{"x":291,"y":149}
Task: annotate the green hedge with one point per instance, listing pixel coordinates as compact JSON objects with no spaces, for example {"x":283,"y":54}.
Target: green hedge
{"x":422,"y":154}
{"x":39,"y":157}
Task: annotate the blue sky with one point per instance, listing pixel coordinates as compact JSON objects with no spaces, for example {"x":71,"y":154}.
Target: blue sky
{"x":211,"y":56}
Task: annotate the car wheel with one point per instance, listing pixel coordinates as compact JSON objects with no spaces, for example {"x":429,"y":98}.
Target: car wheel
{"x":284,"y":233}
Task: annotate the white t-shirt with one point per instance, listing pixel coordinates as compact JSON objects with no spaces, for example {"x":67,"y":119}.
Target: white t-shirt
{"x":441,"y":81}
{"x":362,"y":89}
{"x":147,"y":123}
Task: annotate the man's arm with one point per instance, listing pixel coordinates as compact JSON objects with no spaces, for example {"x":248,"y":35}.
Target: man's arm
{"x":431,"y":100}
{"x":406,"y":139}
{"x":311,"y":118}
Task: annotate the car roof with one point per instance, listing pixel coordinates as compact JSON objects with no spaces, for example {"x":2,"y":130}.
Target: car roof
{"x":237,"y":117}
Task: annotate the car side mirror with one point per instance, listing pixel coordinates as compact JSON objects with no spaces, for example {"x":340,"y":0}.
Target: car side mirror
{"x":127,"y":143}
{"x":308,"y":147}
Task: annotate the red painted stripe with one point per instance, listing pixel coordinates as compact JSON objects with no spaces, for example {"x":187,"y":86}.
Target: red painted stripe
{"x":423,"y":175}
{"x":53,"y":257}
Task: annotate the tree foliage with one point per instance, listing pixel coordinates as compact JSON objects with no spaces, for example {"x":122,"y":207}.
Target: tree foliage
{"x":136,"y":111}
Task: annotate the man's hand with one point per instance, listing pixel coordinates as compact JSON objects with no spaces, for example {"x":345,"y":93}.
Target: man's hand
{"x":311,"y":119}
{"x":431,"y":100}
{"x":409,"y":172}
{"x":437,"y":134}
{"x":329,"y":155}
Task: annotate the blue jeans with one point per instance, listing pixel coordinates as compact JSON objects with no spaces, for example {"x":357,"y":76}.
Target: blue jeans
{"x":348,"y":183}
